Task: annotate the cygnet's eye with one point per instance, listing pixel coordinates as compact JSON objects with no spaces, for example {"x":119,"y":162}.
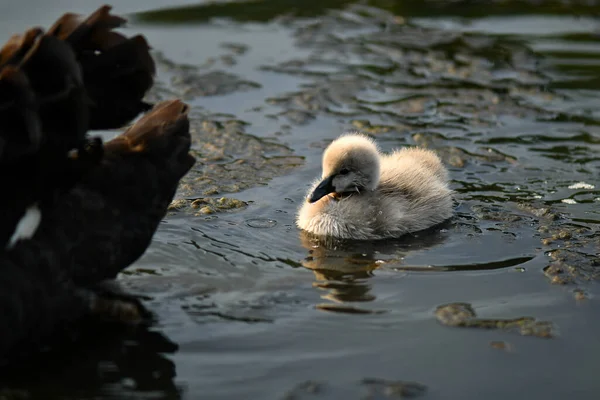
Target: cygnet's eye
{"x":344,"y":171}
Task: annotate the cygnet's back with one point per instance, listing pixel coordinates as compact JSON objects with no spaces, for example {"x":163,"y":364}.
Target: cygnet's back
{"x":364,"y":194}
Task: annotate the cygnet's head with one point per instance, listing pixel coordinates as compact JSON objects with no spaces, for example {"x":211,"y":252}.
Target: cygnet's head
{"x":350,"y":165}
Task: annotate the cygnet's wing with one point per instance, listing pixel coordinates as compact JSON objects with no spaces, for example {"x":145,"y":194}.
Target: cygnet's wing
{"x":409,"y":166}
{"x":107,"y":221}
{"x":117,"y":70}
{"x":416,"y":179}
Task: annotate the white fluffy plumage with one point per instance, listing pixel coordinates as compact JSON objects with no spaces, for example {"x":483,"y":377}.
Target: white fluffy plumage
{"x":364,"y":194}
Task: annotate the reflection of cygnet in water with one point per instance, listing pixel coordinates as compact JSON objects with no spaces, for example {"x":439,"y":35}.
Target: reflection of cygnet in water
{"x":340,"y":271}
{"x":337,"y":257}
{"x":342,"y":267}
{"x":364,"y":194}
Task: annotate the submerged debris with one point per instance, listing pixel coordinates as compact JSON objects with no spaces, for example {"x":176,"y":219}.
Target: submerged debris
{"x":500,"y":345}
{"x":540,"y":211}
{"x":560,"y":235}
{"x":580,"y":295}
{"x":305,"y":388}
{"x":463,"y":315}
{"x":207,"y":205}
{"x":570,"y":265}
{"x":559,"y":273}
{"x":376,"y":389}
{"x":393,"y":389}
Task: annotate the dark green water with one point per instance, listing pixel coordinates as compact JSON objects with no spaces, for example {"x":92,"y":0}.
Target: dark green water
{"x":507,"y":92}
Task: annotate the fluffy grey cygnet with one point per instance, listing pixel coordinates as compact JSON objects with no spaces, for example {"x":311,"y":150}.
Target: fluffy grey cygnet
{"x":364,"y":194}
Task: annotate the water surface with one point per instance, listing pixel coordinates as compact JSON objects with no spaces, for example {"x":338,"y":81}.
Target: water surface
{"x":508,"y":94}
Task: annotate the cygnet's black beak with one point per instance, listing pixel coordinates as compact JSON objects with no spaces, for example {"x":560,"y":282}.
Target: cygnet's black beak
{"x":324,"y":188}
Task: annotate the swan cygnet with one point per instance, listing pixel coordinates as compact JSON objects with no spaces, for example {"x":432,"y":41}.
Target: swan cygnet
{"x":364,"y":194}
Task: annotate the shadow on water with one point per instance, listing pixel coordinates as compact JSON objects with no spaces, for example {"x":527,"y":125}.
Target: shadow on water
{"x":102,"y":360}
{"x":265,"y":11}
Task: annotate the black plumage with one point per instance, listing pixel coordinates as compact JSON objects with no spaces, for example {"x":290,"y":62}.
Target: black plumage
{"x":54,"y":87}
{"x":101,"y":203}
